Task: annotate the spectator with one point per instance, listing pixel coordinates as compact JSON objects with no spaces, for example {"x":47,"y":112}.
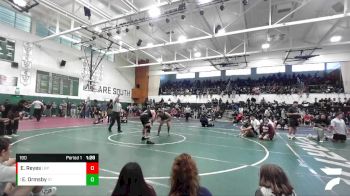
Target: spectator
{"x":247,"y":129}
{"x":339,"y":128}
{"x":187,"y":112}
{"x":132,"y":183}
{"x":273,"y":182}
{"x":321,"y":125}
{"x":267,"y":131}
{"x":184,"y":178}
{"x":8,"y":176}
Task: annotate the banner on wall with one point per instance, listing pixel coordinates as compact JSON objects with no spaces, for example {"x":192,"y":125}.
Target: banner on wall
{"x":8,"y":81}
{"x":109,"y":90}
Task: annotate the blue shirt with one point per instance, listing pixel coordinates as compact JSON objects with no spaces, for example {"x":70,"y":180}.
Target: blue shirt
{"x":204,"y":191}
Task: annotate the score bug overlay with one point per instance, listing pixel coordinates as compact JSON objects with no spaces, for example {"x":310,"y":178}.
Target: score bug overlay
{"x":57,"y":170}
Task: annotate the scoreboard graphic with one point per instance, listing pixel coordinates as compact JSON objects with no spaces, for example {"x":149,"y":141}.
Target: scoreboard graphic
{"x":57,"y":170}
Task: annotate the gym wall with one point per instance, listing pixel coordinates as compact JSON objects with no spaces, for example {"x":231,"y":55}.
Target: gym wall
{"x":47,"y":55}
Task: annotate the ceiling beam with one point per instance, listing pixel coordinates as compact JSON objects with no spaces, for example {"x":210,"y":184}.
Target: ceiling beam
{"x":228,"y":55}
{"x":330,"y":30}
{"x":53,"y":6}
{"x":118,"y":17}
{"x":94,"y":8}
{"x":236,"y":32}
{"x":293,"y":11}
{"x":130,"y":5}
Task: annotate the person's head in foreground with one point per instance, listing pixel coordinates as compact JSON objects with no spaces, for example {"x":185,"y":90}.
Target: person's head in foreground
{"x":132,"y":183}
{"x":4,"y":150}
{"x":273,"y":181}
{"x":184,"y":178}
{"x":8,"y":176}
{"x":339,"y":115}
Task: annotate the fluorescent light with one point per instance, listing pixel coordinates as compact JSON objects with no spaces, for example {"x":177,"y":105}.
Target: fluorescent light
{"x":265,"y":46}
{"x":335,"y":38}
{"x":182,"y":38}
{"x":197,"y":54}
{"x":159,"y":59}
{"x":21,"y":3}
{"x":221,"y":31}
{"x":154,"y":12}
{"x":116,"y":37}
{"x":149,"y":44}
{"x":204,"y":1}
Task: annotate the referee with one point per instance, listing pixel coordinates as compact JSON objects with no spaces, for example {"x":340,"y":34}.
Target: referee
{"x":117,"y":107}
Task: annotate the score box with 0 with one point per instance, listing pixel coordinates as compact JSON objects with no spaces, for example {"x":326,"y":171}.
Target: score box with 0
{"x":57,"y":169}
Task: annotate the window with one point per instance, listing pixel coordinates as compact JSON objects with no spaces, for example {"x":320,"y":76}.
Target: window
{"x":76,"y":46}
{"x":66,"y":40}
{"x":308,"y":67}
{"x":185,"y":75}
{"x":23,"y":22}
{"x":203,"y":69}
{"x":110,"y":57}
{"x":238,"y":72}
{"x":16,"y":20}
{"x":7,"y":16}
{"x":209,"y":74}
{"x":332,"y":66}
{"x":41,"y":29}
{"x":268,"y":70}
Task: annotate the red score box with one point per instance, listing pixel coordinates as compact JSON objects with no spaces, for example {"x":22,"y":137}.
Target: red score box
{"x":92,"y":168}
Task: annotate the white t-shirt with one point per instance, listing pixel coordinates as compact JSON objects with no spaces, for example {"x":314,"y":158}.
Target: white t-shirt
{"x":187,"y":110}
{"x":7,"y":175}
{"x":117,"y":107}
{"x":37,"y":104}
{"x":255,"y":124}
{"x":339,"y":126}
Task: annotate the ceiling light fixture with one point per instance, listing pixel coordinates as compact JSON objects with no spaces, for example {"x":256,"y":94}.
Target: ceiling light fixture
{"x":182,"y":38}
{"x":221,"y":32}
{"x":204,"y":1}
{"x":197,"y":54}
{"x":265,"y":46}
{"x":217,"y":29}
{"x":335,"y":38}
{"x":149,"y":44}
{"x":154,"y":12}
{"x":139,"y":42}
{"x":21,"y":3}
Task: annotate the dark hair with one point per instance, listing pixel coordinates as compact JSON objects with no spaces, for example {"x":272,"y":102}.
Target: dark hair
{"x":338,"y":113}
{"x":184,"y":178}
{"x":273,"y":177}
{"x":4,"y":144}
{"x":131,"y":182}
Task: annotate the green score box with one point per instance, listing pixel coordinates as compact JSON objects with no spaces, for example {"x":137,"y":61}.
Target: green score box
{"x":92,"y":180}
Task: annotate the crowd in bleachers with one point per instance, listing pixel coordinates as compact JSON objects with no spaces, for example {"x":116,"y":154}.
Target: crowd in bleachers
{"x":273,"y":84}
{"x":235,"y":110}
